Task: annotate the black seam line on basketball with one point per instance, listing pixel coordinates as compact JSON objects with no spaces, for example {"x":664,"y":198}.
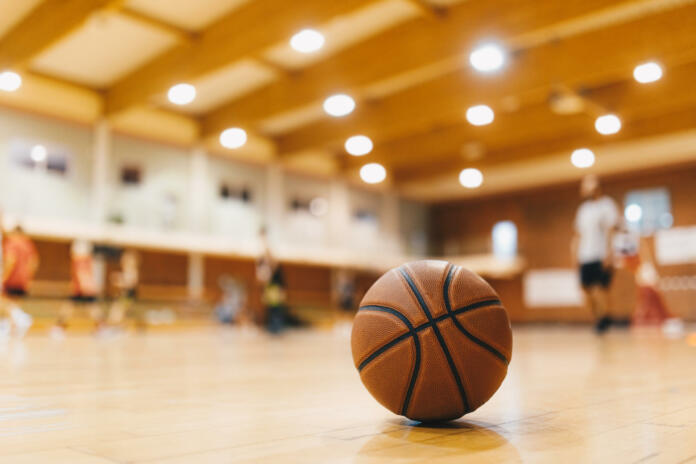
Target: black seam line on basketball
{"x":416,"y":342}
{"x":461,"y":328}
{"x":437,"y":333}
{"x":384,"y":348}
{"x":420,"y":328}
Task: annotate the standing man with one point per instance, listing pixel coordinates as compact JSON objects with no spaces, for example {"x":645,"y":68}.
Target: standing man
{"x":595,"y":224}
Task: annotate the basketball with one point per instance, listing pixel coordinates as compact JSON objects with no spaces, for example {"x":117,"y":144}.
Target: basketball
{"x":431,"y":341}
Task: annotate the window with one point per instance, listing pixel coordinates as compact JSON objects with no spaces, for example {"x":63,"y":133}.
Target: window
{"x":131,"y":175}
{"x":648,"y":210}
{"x":228,"y":192}
{"x":505,"y":240}
{"x":39,"y":157}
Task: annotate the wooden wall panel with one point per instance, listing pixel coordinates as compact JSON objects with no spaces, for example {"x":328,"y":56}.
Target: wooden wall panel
{"x":544,"y":218}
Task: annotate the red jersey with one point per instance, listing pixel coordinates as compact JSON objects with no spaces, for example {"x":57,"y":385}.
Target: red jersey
{"x":20,"y":257}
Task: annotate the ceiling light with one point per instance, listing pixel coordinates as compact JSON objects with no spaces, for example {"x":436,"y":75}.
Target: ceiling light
{"x":38,"y":153}
{"x":647,"y":72}
{"x":471,"y":178}
{"x":358,"y":145}
{"x":633,"y":212}
{"x":307,"y":41}
{"x":10,"y":81}
{"x":480,"y":115}
{"x":487,"y":58}
{"x":608,"y":124}
{"x":233,"y":137}
{"x":339,"y":105}
{"x":181,"y":94}
{"x":373,"y":173}
{"x":582,"y":158}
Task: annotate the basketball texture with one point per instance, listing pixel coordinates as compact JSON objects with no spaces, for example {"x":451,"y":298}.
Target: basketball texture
{"x":431,"y":341}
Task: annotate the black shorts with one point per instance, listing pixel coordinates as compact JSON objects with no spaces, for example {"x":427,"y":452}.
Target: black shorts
{"x":15,"y":292}
{"x":594,"y":273}
{"x":83,"y":298}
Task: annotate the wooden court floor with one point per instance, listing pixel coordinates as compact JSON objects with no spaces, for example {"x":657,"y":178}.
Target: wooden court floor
{"x":226,"y":396}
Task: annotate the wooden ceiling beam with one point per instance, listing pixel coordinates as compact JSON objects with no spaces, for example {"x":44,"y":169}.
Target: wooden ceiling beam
{"x":628,"y":99}
{"x":674,"y":122}
{"x":45,"y":25}
{"x":575,"y":62}
{"x":247,"y":31}
{"x":400,"y":51}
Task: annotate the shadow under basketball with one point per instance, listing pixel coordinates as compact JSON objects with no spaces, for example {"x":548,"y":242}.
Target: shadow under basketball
{"x":411,"y":439}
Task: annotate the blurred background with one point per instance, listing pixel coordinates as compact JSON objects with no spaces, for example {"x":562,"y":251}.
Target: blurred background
{"x":192,"y":149}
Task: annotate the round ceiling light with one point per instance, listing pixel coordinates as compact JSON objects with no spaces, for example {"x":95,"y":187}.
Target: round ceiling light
{"x":373,"y":173}
{"x":488,"y":57}
{"x":480,"y":115}
{"x":181,"y":94}
{"x":471,"y":178}
{"x":339,"y":105}
{"x":358,"y":145}
{"x":232,"y":138}
{"x":307,"y":41}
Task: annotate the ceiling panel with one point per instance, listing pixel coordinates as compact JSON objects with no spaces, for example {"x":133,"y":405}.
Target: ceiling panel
{"x":104,"y":49}
{"x":187,"y":14}
{"x":347,"y":30}
{"x":11,"y":12}
{"x":225,"y":85}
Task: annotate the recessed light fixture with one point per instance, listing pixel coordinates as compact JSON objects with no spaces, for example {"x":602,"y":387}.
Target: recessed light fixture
{"x":232,"y":138}
{"x":307,"y":41}
{"x":582,"y":158}
{"x":488,"y":57}
{"x":608,"y":124}
{"x":181,"y":94}
{"x":358,"y":145}
{"x":10,"y":81}
{"x":471,"y":178}
{"x":647,"y":72}
{"x":373,"y":173}
{"x":339,"y":105}
{"x":38,"y":153}
{"x":480,"y":115}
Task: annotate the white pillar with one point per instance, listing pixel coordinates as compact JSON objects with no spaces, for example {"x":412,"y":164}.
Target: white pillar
{"x":339,"y":215}
{"x":275,"y":203}
{"x":391,"y":222}
{"x":100,"y":170}
{"x":196,"y":276}
{"x":198,"y":179}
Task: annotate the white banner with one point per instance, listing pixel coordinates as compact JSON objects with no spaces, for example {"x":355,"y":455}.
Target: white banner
{"x":552,"y":288}
{"x":676,"y":245}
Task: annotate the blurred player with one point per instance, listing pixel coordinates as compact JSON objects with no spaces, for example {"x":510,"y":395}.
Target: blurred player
{"x":231,"y":307}
{"x":270,"y":275}
{"x":126,"y":281}
{"x":345,"y":299}
{"x":83,"y":286}
{"x":595,"y":224}
{"x":20,"y":262}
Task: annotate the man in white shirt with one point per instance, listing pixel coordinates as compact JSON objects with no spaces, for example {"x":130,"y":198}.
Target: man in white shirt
{"x":595,"y":223}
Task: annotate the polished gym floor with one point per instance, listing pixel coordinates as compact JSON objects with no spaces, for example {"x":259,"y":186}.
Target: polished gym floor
{"x":225,"y":396}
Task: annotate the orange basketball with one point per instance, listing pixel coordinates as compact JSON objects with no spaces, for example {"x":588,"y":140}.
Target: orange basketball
{"x":431,"y":341}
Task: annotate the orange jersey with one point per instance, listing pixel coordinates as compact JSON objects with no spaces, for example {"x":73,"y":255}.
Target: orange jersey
{"x":20,"y":258}
{"x":82,"y":279}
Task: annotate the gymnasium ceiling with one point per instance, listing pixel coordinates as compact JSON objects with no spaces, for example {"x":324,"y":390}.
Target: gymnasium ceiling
{"x":405,"y":62}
